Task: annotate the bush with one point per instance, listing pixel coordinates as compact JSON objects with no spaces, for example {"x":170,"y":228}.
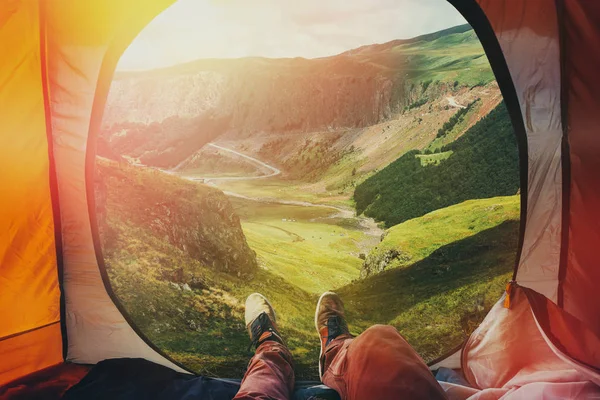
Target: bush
{"x":426,"y":85}
{"x":417,"y":103}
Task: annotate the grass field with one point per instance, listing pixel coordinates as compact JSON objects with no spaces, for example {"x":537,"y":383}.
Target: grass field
{"x":317,"y":257}
{"x":458,"y":129}
{"x":420,"y":237}
{"x":484,"y":164}
{"x":303,"y":245}
{"x":457,"y":57}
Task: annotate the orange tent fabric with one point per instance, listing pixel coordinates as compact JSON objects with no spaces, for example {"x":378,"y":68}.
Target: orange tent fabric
{"x":30,"y":337}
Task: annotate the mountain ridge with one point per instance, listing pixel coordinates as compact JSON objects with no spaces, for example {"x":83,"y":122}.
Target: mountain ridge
{"x":357,"y":50}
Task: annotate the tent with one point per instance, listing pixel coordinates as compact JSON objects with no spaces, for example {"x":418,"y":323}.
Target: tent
{"x":56,"y":304}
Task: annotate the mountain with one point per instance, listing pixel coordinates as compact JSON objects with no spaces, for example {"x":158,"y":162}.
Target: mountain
{"x":482,"y":163}
{"x":259,"y":98}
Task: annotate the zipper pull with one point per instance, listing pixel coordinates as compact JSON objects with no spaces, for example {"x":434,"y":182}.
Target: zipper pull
{"x":509,"y":290}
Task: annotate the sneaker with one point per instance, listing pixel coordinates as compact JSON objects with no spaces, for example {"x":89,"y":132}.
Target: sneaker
{"x":260,"y":320}
{"x":330,"y":322}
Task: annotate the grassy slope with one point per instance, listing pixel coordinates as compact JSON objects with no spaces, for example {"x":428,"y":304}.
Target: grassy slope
{"x":447,"y":56}
{"x":203,"y":327}
{"x":301,"y":244}
{"x":418,"y":238}
{"x":313,"y":256}
{"x":202,"y":324}
{"x":460,"y":259}
{"x":435,"y":158}
{"x":192,"y":310}
{"x":456,"y":57}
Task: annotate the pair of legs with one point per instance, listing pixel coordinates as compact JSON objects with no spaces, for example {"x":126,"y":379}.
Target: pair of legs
{"x":378,"y":364}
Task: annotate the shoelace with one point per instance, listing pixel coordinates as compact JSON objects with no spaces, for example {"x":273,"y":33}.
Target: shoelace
{"x":336,"y":326}
{"x":261,"y":325}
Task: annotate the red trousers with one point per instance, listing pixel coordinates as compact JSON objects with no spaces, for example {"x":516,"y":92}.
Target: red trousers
{"x":377,"y":365}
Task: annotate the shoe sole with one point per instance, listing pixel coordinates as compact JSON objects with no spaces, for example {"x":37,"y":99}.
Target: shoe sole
{"x":319,"y":332}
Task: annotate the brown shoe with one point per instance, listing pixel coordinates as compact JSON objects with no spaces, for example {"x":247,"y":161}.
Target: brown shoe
{"x":261,"y":320}
{"x":330,"y":322}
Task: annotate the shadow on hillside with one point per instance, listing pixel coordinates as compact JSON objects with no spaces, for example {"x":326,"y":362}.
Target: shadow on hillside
{"x":474,"y":260}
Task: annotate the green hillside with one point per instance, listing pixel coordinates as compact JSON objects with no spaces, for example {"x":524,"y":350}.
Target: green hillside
{"x":451,"y":55}
{"x":483,"y":163}
{"x":447,"y":269}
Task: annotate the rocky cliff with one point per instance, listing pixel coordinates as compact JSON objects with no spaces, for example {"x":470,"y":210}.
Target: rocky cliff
{"x":262,"y":95}
{"x":194,"y":218}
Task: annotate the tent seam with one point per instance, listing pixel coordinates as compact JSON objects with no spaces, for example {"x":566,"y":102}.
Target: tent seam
{"x":565,"y":154}
{"x":52,"y":175}
{"x":13,"y":335}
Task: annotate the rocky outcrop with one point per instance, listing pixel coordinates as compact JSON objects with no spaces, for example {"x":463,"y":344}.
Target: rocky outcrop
{"x":196,"y":219}
{"x":146,"y":98}
{"x":377,"y":262}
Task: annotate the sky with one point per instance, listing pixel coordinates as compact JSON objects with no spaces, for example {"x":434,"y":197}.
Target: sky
{"x":193,"y":29}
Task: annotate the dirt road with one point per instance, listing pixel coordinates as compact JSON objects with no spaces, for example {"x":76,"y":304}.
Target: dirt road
{"x":273,"y":171}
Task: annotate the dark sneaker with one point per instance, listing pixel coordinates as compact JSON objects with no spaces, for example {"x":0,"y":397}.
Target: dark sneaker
{"x":330,"y":322}
{"x":260,"y":320}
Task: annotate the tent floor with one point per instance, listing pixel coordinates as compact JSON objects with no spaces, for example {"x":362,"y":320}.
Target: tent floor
{"x":132,"y":378}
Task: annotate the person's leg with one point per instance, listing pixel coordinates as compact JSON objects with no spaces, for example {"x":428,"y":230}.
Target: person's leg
{"x":379,"y":364}
{"x":331,"y":325}
{"x":334,"y":362}
{"x":270,"y":374}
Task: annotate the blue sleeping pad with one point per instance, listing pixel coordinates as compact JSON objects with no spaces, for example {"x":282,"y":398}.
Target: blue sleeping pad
{"x":139,"y":379}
